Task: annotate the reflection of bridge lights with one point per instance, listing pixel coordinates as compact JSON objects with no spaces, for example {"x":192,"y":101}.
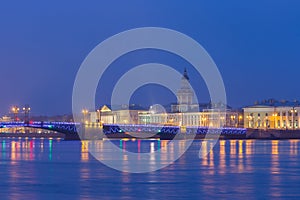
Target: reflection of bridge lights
{"x":158,"y":145}
{"x":152,"y":147}
{"x":124,"y":145}
{"x":3,"y":145}
{"x":50,"y":149}
{"x":232,"y":147}
{"x":121,"y":144}
{"x":139,"y":146}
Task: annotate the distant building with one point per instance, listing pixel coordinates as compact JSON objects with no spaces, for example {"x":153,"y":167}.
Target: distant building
{"x":124,"y":114}
{"x":206,"y":118}
{"x":187,"y":113}
{"x":184,"y":113}
{"x":6,"y":119}
{"x":185,"y":97}
{"x":272,"y":114}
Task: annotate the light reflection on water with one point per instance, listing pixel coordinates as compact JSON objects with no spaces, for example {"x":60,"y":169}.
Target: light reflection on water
{"x":46,"y":169}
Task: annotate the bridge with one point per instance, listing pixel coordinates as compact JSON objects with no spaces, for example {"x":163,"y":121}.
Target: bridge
{"x":122,"y":128}
{"x":70,"y":131}
{"x":169,"y":132}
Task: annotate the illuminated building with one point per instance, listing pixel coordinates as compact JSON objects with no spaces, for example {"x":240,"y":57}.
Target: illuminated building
{"x":185,"y":96}
{"x":5,"y":119}
{"x":206,"y":118}
{"x":184,"y":113}
{"x":187,"y":113}
{"x":123,"y":114}
{"x":272,"y":114}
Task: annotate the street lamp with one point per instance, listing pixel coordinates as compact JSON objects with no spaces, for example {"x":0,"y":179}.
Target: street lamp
{"x":240,"y":118}
{"x":204,"y":121}
{"x":26,"y":110}
{"x":274,"y":116}
{"x":99,"y":116}
{"x":222,"y":121}
{"x":15,"y":111}
{"x":250,"y":121}
{"x":293,"y":111}
{"x":232,"y":117}
{"x":84,"y":112}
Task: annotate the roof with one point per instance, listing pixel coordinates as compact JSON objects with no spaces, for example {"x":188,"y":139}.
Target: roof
{"x":122,"y":107}
{"x":274,"y":103}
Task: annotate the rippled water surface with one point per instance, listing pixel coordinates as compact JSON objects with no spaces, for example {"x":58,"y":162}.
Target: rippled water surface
{"x":48,"y":169}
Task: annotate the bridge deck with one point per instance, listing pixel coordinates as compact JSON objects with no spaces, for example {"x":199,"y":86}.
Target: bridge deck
{"x":113,"y":130}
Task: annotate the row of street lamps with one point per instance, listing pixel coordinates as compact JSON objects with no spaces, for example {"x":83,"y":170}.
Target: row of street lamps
{"x":26,"y":110}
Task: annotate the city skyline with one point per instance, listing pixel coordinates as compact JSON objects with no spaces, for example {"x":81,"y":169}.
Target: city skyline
{"x":43,"y":47}
{"x":150,"y":99}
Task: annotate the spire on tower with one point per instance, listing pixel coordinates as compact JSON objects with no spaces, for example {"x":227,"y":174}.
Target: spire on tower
{"x":185,"y":75}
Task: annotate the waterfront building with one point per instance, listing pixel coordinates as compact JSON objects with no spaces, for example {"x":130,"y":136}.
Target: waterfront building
{"x":205,"y":118}
{"x":184,"y":113}
{"x":6,"y":119}
{"x":272,"y":114}
{"x":187,"y":113}
{"x":124,"y":114}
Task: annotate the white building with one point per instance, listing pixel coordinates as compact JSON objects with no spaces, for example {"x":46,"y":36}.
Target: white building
{"x":186,"y":112}
{"x":123,"y":115}
{"x":6,"y":119}
{"x":272,"y":114}
{"x":206,"y":118}
{"x":185,"y":97}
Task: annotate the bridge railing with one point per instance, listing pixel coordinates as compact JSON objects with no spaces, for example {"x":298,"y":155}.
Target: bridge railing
{"x":123,"y":128}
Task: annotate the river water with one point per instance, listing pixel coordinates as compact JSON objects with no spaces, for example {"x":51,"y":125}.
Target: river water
{"x":250,"y":169}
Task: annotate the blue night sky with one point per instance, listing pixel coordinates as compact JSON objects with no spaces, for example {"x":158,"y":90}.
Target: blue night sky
{"x":255,"y":45}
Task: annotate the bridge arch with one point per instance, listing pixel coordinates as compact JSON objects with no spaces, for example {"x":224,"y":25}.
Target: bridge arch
{"x":67,"y":128}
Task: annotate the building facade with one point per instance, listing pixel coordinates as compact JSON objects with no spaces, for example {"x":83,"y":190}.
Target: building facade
{"x":272,"y":114}
{"x":185,"y":97}
{"x":206,"y":118}
{"x":184,"y":113}
{"x":121,"y":116}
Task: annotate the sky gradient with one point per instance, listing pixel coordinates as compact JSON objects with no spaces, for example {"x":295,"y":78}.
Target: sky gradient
{"x":255,"y":45}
